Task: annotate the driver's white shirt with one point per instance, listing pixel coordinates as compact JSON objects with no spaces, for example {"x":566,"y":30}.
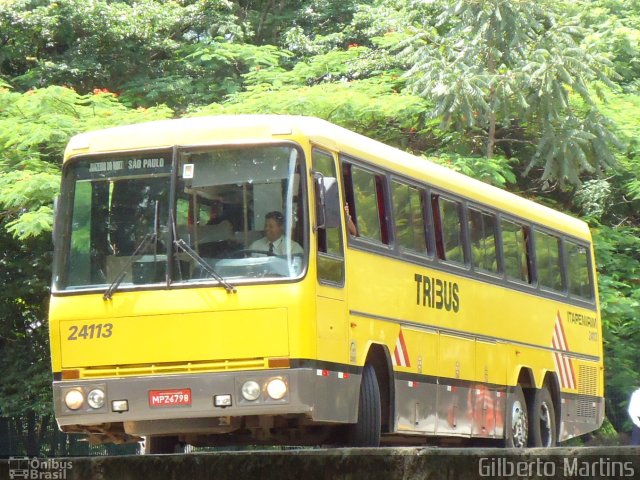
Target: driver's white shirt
{"x":279,"y":246}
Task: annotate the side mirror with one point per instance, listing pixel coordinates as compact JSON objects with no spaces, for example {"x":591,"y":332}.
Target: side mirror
{"x":327,"y":201}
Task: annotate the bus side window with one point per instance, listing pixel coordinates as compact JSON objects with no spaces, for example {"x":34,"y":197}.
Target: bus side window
{"x":448,"y":229}
{"x":548,"y":264}
{"x":482,"y":233}
{"x":515,"y":251}
{"x":578,"y":277}
{"x":409,"y":216}
{"x":366,"y":202}
{"x":330,"y":248}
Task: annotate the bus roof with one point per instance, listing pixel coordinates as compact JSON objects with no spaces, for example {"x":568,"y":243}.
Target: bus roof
{"x":225,"y":129}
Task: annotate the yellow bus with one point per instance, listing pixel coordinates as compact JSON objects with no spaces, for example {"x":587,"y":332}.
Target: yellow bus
{"x":281,"y":280}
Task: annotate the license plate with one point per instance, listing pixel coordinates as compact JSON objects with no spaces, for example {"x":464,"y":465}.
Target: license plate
{"x":170,"y":398}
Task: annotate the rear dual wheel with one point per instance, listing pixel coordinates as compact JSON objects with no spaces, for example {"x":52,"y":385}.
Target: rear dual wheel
{"x":531,"y":423}
{"x":542,"y":415}
{"x":517,"y":421}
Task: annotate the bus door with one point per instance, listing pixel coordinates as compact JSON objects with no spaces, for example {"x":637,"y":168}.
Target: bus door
{"x":332,"y":341}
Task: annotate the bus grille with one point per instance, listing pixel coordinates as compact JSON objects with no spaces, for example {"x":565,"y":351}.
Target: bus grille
{"x":174,"y":368}
{"x":587,"y":391}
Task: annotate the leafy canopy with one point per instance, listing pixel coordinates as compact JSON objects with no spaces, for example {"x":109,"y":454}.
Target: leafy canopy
{"x":507,"y":71}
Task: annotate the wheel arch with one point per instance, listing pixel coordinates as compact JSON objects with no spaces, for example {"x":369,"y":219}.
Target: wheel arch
{"x":526,"y":379}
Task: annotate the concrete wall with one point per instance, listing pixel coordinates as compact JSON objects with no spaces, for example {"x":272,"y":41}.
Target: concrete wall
{"x":369,"y":464}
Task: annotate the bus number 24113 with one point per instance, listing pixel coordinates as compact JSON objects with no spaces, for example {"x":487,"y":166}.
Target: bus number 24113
{"x":88,"y":332}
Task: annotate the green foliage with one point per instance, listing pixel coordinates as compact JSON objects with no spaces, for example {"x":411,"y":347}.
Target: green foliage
{"x":500,"y":88}
{"x":614,"y":29}
{"x":623,"y":204}
{"x":495,"y":170}
{"x":372,"y":107}
{"x":592,"y":197}
{"x":490,"y":65}
{"x":267,"y":21}
{"x":24,"y":349}
{"x":92,"y":44}
{"x":336,"y":65}
{"x":204,"y":73}
{"x":34,"y":129}
{"x":618,"y":258}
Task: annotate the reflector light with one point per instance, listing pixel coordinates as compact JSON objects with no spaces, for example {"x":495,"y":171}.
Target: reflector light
{"x":222,"y":400}
{"x":120,"y":406}
{"x":70,"y":374}
{"x":279,"y":363}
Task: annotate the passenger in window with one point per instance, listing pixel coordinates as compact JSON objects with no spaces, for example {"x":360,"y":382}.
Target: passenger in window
{"x":274,"y":241}
{"x":218,"y":214}
{"x":215,"y":239}
{"x":351,"y":227}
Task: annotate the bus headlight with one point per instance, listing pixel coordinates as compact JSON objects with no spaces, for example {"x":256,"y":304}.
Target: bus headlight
{"x":276,"y":388}
{"x":250,"y":390}
{"x":95,"y":399}
{"x":73,"y":399}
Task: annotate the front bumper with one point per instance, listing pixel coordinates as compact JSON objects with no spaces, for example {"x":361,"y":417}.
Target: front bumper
{"x":322,"y":397}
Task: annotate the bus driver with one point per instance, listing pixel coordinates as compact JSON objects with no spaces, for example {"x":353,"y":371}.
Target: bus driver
{"x":274,"y":241}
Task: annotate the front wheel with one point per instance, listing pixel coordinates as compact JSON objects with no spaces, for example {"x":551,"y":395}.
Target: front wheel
{"x":516,"y":426}
{"x":366,"y":431}
{"x":542,"y":420}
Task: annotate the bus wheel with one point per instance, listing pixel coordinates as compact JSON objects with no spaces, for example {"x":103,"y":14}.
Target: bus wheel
{"x":516,"y":424}
{"x":366,"y":432}
{"x":542,"y":420}
{"x":155,"y":445}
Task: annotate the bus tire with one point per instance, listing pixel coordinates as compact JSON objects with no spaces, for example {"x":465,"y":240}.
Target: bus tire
{"x":543,"y":430}
{"x":516,"y":425}
{"x":366,"y":431}
{"x":158,"y":445}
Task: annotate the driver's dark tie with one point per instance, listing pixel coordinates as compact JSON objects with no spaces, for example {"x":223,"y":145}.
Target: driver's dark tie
{"x":270,"y":248}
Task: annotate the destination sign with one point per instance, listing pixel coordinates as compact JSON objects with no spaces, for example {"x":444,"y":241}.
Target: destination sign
{"x":121,"y":167}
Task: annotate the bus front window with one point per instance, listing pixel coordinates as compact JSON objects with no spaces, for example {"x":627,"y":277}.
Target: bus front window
{"x":241,"y":210}
{"x":114,"y":207}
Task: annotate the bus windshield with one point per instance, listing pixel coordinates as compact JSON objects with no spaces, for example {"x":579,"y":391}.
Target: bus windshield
{"x":236,"y":216}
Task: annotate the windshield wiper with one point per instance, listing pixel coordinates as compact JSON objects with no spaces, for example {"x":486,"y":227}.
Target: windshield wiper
{"x":146,"y":241}
{"x":182,"y":245}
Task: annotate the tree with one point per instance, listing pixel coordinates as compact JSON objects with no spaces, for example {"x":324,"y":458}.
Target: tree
{"x":613,"y":27}
{"x":25,"y":389}
{"x":617,"y":254}
{"x":513,"y":75}
{"x":34,"y":129}
{"x":87,"y":44}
